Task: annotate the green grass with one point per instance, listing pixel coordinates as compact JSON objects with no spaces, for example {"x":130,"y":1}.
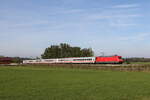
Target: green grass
{"x":140,"y":63}
{"x":30,"y":83}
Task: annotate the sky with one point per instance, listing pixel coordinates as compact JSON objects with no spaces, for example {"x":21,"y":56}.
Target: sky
{"x":120,"y":27}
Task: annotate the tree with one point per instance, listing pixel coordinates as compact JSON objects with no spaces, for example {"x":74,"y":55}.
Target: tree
{"x":52,"y":52}
{"x":87,"y":52}
{"x":65,"y":50}
{"x":76,"y":52}
{"x":1,"y":56}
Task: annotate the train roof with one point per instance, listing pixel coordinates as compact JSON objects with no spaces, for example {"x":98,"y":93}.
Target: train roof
{"x":109,"y":56}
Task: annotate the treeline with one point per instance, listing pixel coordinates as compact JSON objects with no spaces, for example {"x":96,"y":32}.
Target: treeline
{"x":19,"y":59}
{"x":135,"y":59}
{"x":65,"y":50}
{"x":16,"y":59}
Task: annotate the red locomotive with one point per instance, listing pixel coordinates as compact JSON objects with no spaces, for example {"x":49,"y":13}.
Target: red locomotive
{"x":109,"y":59}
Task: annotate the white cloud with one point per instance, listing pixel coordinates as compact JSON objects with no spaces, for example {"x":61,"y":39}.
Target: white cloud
{"x":126,"y":6}
{"x":122,"y":24}
{"x":109,"y":16}
{"x":58,"y":11}
{"x":137,"y":37}
{"x":116,"y":19}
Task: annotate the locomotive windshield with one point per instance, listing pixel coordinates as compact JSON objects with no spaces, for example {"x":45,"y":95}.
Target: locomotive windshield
{"x":120,"y":57}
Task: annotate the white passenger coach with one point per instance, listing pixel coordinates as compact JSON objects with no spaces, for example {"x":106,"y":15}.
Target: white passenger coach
{"x":61,"y":60}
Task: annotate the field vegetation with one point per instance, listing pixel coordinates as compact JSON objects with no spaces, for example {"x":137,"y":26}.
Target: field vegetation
{"x":53,"y":83}
{"x":141,"y":63}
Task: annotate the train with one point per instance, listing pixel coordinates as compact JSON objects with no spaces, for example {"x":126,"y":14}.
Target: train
{"x":78,"y":60}
{"x":5,"y":60}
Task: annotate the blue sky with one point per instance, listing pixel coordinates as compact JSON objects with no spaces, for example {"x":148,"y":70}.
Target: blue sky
{"x":120,"y":27}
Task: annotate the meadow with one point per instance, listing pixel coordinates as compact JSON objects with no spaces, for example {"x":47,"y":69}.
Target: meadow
{"x":145,"y":63}
{"x":46,"y":83}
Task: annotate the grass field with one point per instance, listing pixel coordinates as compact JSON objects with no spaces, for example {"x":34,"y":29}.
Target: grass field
{"x":140,"y":63}
{"x":44,"y":83}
